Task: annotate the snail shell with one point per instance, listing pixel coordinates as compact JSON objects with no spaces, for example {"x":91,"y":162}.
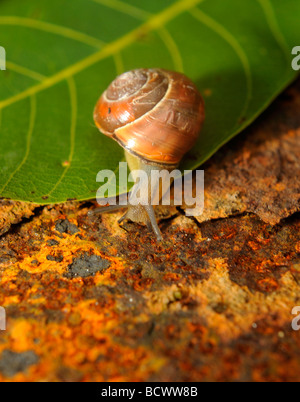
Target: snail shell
{"x":153,"y":113}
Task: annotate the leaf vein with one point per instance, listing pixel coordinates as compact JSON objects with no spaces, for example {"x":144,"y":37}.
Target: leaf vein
{"x":24,"y":71}
{"x":74,"y":107}
{"x":118,"y":63}
{"x":28,"y":141}
{"x":235,"y":45}
{"x":124,"y":8}
{"x":153,"y":23}
{"x":172,"y":49}
{"x":52,"y":28}
{"x":274,"y":27}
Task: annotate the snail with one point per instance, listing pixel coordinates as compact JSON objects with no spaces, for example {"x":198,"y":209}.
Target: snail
{"x":156,"y":116}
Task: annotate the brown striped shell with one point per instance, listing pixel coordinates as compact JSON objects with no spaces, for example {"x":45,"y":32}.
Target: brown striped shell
{"x":153,"y":113}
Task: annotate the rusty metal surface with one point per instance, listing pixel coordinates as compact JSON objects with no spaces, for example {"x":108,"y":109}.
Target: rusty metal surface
{"x":259,"y":171}
{"x":88,"y":300}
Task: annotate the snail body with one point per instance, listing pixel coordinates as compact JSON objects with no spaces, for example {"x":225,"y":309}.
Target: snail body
{"x":156,"y":116}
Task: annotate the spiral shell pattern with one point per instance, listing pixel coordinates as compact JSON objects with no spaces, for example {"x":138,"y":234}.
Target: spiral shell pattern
{"x":153,"y":113}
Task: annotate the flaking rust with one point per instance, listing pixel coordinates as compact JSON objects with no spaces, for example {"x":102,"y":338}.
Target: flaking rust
{"x":257,"y":172}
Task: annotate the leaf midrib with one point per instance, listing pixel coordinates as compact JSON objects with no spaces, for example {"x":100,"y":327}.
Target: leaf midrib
{"x":110,"y":49}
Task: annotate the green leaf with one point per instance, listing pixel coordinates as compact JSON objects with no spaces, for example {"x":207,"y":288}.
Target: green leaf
{"x":62,"y":54}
